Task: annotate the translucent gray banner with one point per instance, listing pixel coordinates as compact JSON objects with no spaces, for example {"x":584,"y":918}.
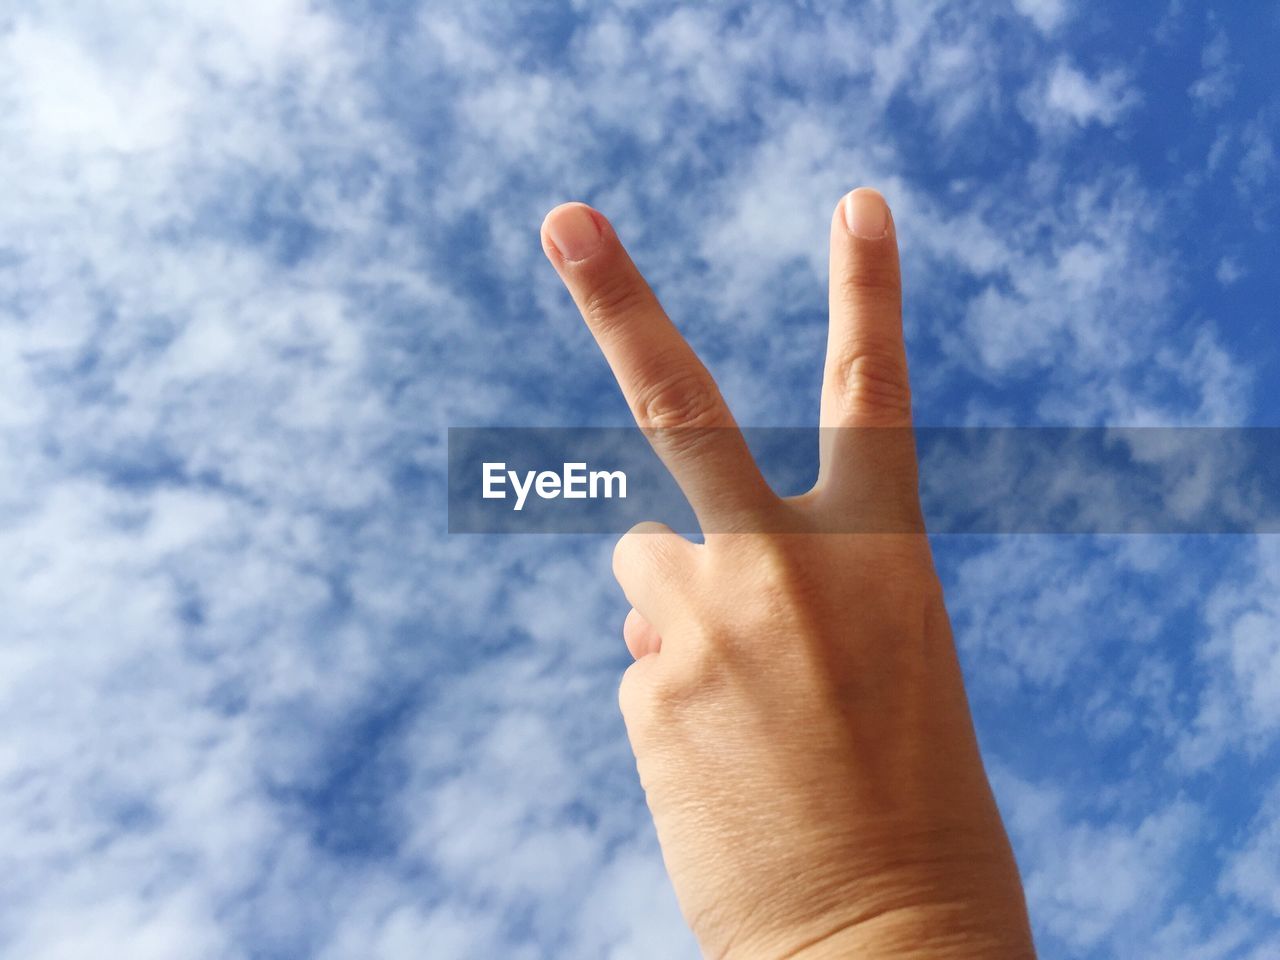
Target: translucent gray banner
{"x":971,"y":480}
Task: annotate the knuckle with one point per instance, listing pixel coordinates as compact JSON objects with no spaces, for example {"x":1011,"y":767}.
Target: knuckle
{"x":681,"y":397}
{"x":780,"y":571}
{"x":665,"y":686}
{"x":779,"y":576}
{"x":668,"y":698}
{"x":612,"y":299}
{"x":779,"y":566}
{"x":870,"y":380}
{"x":873,"y":281}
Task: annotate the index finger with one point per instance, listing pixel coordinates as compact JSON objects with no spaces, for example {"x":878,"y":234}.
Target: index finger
{"x":671,"y":394}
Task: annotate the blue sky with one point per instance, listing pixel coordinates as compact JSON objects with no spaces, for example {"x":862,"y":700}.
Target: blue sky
{"x":256,"y":256}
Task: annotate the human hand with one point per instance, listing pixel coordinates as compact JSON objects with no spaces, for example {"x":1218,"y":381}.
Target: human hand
{"x":796,"y":706}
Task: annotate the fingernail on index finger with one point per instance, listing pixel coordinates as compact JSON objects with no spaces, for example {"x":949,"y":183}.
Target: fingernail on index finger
{"x":866,"y":214}
{"x":573,"y":231}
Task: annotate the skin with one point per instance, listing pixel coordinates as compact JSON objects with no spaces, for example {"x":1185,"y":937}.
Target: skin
{"x":796,"y":705}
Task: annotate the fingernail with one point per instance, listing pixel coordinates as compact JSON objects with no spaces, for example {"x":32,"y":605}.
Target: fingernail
{"x":574,"y":232}
{"x":866,"y":214}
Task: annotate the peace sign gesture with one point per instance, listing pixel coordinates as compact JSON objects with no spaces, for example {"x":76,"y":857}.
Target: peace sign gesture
{"x":796,"y":707}
{"x":673,"y":396}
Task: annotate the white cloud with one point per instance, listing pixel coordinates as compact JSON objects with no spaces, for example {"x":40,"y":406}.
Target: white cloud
{"x":1047,"y":15}
{"x":1229,"y":271}
{"x":163,"y":543}
{"x":1069,"y":96}
{"x":65,"y":97}
{"x":1246,"y":150}
{"x":1252,"y":871}
{"x":1240,"y":704}
{"x":1218,"y":149}
{"x":1257,"y":165}
{"x":1092,"y":310}
{"x":1041,"y":610}
{"x":160,"y":928}
{"x":1190,"y":937}
{"x":1086,"y":881}
{"x":1216,"y":84}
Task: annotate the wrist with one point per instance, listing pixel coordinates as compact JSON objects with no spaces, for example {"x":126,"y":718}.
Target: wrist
{"x":964,"y":905}
{"x":955,"y":931}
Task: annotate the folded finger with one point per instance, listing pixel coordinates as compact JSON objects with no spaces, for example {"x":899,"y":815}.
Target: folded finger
{"x":653,"y":564}
{"x":640,"y":635}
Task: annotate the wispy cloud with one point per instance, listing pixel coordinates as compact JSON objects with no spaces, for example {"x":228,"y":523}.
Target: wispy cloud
{"x":1217,"y":82}
{"x":1067,"y":95}
{"x":1047,"y":15}
{"x":1086,"y":881}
